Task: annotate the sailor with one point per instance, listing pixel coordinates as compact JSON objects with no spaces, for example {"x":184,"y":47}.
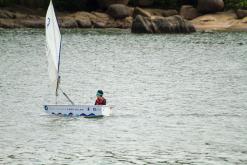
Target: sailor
{"x":100,"y":99}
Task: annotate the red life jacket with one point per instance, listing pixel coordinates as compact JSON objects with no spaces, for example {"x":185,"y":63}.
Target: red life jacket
{"x":100,"y":101}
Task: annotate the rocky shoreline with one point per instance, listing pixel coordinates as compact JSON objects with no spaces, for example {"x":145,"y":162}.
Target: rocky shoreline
{"x":124,"y":17}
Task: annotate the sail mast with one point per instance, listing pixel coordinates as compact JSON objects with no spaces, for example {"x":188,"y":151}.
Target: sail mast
{"x":58,"y":70}
{"x":53,"y":40}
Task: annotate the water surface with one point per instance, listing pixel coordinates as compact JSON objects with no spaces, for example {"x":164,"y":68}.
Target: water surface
{"x":178,"y":99}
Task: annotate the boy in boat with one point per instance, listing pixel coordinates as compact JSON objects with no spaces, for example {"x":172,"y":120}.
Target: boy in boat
{"x":100,"y":99}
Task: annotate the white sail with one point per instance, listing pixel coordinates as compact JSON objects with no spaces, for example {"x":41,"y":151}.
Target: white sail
{"x":53,"y":41}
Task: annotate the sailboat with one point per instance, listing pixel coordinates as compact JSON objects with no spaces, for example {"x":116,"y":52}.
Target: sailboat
{"x":53,"y":43}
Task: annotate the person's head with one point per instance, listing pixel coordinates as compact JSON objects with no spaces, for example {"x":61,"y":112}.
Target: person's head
{"x":99,"y":93}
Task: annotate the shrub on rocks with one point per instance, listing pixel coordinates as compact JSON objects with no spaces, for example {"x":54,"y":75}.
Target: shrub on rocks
{"x":236,"y":4}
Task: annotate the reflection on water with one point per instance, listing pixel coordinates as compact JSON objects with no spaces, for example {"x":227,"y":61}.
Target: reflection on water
{"x":178,"y":99}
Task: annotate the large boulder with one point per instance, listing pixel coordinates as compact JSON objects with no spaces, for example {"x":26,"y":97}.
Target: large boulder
{"x":142,"y":12}
{"x":157,"y":24}
{"x":20,"y":23}
{"x":241,"y":13}
{"x":104,"y":4}
{"x":120,"y":23}
{"x":68,"y":22}
{"x":84,"y":23}
{"x":38,"y":23}
{"x":118,"y":11}
{"x":82,"y":19}
{"x":100,"y":20}
{"x":145,"y":3}
{"x":141,"y":25}
{"x":168,"y":13}
{"x":173,"y":24}
{"x":9,"y":23}
{"x":161,"y":12}
{"x":188,"y":12}
{"x":7,"y":14}
{"x":210,"y":6}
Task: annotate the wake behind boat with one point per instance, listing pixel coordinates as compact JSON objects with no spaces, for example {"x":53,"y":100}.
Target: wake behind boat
{"x":53,"y":42}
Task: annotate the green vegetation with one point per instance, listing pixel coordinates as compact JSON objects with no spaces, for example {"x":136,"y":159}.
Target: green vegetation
{"x":236,"y":4}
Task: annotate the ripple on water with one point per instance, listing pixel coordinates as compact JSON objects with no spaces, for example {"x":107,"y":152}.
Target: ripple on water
{"x":178,"y":99}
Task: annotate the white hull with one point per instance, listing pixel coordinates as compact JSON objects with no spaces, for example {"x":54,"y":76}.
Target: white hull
{"x":79,"y":110}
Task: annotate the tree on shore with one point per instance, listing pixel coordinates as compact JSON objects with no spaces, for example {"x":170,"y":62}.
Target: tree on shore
{"x":236,"y":4}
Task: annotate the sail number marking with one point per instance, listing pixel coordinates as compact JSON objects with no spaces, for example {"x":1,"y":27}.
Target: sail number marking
{"x":48,"y":22}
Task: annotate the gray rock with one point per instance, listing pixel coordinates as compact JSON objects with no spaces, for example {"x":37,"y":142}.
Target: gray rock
{"x":99,"y":24}
{"x":172,"y":24}
{"x":168,"y":13}
{"x":68,"y":22}
{"x":141,"y":25}
{"x":118,"y":11}
{"x":139,"y":11}
{"x":188,"y":12}
{"x":9,"y":23}
{"x":161,"y":12}
{"x":241,"y":13}
{"x":161,"y":26}
{"x":84,"y":23}
{"x":210,"y":6}
{"x":7,"y":14}
{"x":104,"y":4}
{"x":33,"y":23}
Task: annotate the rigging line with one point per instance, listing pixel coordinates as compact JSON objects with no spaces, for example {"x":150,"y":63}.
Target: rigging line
{"x":67,"y":96}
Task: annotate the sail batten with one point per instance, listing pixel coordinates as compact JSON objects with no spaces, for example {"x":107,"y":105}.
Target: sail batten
{"x":53,"y":43}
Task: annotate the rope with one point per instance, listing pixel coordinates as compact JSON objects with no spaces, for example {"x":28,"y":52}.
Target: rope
{"x":67,"y":97}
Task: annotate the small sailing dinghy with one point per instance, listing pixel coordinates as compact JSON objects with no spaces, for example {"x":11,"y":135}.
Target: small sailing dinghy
{"x":53,"y":41}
